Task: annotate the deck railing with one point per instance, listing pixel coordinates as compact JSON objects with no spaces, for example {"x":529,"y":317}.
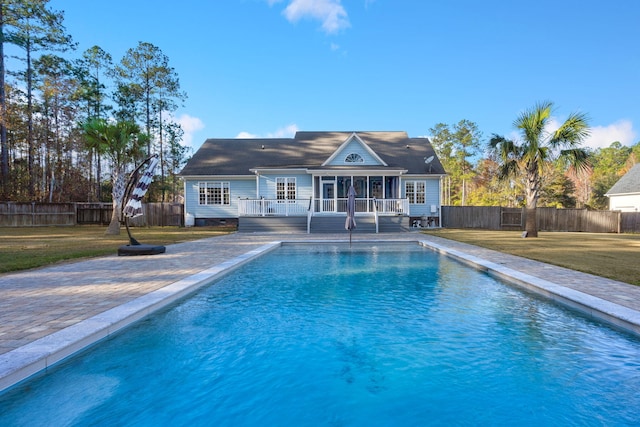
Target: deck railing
{"x":272,"y":207}
{"x":383,"y":206}
{"x":302,"y":207}
{"x":392,"y":206}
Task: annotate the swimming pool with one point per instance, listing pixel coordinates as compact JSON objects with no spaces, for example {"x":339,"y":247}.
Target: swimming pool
{"x":323,"y":335}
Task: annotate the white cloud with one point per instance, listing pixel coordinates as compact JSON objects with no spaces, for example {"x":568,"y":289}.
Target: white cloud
{"x":284,"y":132}
{"x":330,"y":12}
{"x":246,"y":135}
{"x":603,"y":136}
{"x":189,"y":125}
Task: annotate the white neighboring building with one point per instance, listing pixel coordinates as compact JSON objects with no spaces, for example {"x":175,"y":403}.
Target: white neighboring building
{"x":624,"y":196}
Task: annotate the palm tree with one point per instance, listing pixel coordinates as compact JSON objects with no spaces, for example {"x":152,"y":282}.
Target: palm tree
{"x":537,"y":147}
{"x":122,"y":142}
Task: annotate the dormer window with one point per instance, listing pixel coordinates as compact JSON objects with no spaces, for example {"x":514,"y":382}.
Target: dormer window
{"x":353,"y":158}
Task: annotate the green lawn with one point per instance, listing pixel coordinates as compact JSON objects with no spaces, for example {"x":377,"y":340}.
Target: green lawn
{"x":25,"y":248}
{"x":615,"y":256}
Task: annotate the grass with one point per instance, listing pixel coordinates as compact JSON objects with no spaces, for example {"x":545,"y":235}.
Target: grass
{"x":615,"y":256}
{"x":26,"y":248}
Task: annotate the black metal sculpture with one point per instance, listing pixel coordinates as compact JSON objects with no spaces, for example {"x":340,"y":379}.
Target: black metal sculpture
{"x":134,"y":192}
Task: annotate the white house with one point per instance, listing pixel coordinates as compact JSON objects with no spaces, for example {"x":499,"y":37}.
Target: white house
{"x":625,"y":194}
{"x":302,"y":182}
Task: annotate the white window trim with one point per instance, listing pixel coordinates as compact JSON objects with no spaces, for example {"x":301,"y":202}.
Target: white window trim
{"x":225,"y":193}
{"x":287,"y":181}
{"x":413,"y":199}
{"x":354,"y":158}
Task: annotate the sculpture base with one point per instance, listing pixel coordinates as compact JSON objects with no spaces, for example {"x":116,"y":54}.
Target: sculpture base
{"x":142,"y":249}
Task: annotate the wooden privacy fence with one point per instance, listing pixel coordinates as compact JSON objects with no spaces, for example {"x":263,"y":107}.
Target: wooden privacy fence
{"x":484,"y":217}
{"x":630,"y":222}
{"x":36,"y":214}
{"x":549,"y":219}
{"x":67,"y":214}
{"x":154,"y":214}
{"x":552,"y":219}
{"x":160,"y":214}
{"x":93,"y":213}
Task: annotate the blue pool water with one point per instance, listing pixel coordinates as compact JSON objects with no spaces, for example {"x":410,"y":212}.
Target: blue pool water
{"x":373,"y":336}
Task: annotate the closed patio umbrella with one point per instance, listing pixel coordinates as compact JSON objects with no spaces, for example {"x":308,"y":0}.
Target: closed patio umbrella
{"x":350,"y":224}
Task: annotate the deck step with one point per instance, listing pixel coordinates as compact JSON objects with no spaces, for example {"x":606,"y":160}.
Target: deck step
{"x":335,"y":224}
{"x":322,"y":224}
{"x":268,"y":224}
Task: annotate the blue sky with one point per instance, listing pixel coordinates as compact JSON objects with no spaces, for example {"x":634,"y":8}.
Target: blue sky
{"x":267,"y":68}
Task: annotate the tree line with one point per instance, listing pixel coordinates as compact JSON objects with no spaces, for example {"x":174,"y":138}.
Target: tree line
{"x":476,"y":164}
{"x":69,"y":122}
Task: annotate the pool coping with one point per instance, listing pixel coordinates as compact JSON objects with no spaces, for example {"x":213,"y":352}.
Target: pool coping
{"x":609,"y":312}
{"x":35,"y":357}
{"x":19,"y":364}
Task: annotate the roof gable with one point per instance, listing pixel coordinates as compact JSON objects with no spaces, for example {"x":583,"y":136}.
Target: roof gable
{"x":354,"y":152}
{"x":628,"y":184}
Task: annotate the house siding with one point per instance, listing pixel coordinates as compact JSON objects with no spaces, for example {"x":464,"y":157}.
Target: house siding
{"x":432,"y":195}
{"x":625,"y":203}
{"x":354,"y":147}
{"x":267,"y":185}
{"x":244,"y":188}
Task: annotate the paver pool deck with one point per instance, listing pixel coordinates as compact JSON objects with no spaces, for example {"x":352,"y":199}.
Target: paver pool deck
{"x":49,"y":313}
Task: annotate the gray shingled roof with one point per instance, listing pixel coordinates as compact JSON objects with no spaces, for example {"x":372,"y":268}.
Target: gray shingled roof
{"x":308,"y":150}
{"x":629,"y":183}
